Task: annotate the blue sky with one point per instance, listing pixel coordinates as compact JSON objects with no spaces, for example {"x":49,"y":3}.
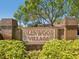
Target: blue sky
{"x":8,"y":7}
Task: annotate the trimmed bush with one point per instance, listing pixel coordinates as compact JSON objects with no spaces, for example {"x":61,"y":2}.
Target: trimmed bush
{"x":12,"y":49}
{"x":32,"y":55}
{"x":60,"y":49}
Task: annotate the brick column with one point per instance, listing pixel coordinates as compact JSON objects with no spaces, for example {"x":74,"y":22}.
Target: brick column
{"x":8,"y":28}
{"x":56,"y":34}
{"x":70,"y":28}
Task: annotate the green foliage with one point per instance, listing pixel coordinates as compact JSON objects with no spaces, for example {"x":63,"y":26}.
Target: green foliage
{"x":53,"y":49}
{"x":47,"y":9}
{"x":60,"y":49}
{"x":12,"y":49}
{"x":33,"y":55}
{"x":21,"y":16}
{"x":41,"y":9}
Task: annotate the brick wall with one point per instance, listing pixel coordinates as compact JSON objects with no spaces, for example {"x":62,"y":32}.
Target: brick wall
{"x":35,"y":37}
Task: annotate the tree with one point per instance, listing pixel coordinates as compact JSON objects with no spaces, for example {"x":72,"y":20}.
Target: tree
{"x":75,"y":8}
{"x":18,"y":16}
{"x":21,"y":16}
{"x":49,"y":10}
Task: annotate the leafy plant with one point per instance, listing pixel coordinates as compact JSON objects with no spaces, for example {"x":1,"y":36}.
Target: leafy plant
{"x":60,"y":49}
{"x":32,"y":55}
{"x":12,"y":49}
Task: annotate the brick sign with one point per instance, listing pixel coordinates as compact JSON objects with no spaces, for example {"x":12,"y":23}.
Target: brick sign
{"x":38,"y":34}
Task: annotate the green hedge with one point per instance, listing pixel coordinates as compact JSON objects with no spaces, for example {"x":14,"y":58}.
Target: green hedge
{"x":32,"y":55}
{"x":60,"y":49}
{"x":53,"y":49}
{"x":12,"y":49}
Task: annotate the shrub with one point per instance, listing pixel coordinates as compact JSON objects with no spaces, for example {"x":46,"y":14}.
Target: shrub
{"x":12,"y":49}
{"x":32,"y":55}
{"x":60,"y":49}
